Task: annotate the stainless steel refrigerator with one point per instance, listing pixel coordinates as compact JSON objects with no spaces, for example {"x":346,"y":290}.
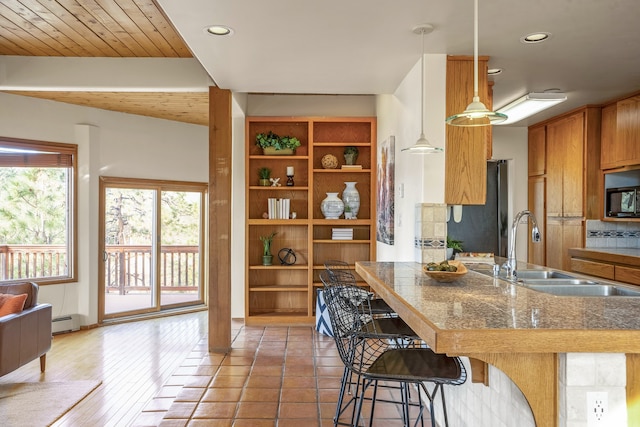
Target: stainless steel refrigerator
{"x":484,"y":228}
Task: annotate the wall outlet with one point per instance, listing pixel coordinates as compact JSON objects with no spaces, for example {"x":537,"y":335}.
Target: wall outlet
{"x":597,"y":409}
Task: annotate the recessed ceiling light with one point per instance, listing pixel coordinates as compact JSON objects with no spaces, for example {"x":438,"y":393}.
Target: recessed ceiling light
{"x":535,"y":37}
{"x":219,"y":30}
{"x":494,"y":71}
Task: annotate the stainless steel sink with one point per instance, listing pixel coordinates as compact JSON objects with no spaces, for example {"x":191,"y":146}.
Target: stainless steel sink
{"x":569,"y":281}
{"x":541,"y":274}
{"x":590,"y":289}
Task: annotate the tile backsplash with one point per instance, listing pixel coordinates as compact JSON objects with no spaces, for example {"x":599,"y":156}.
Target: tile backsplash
{"x":602,"y":234}
{"x":430,"y":240}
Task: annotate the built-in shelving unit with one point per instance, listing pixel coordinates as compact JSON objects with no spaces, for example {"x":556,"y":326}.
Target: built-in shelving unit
{"x":285,"y":294}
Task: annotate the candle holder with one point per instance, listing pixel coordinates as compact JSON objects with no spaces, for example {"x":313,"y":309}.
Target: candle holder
{"x":290,"y":182}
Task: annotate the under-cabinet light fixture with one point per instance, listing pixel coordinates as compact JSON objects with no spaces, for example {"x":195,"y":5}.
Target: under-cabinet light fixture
{"x":530,"y":104}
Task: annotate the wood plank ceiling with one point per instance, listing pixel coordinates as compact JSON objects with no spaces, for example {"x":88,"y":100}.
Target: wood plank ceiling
{"x":101,"y":28}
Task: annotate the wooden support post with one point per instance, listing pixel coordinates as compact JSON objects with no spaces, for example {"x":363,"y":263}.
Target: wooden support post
{"x":219,"y":285}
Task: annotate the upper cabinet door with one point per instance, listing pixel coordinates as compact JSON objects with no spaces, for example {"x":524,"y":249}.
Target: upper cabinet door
{"x":466,"y":147}
{"x":565,"y":167}
{"x":628,"y":131}
{"x":610,"y":149}
{"x":537,"y":156}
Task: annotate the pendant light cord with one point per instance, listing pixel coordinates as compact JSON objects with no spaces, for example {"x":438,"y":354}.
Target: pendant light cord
{"x":475,"y":51}
{"x":422,"y":88}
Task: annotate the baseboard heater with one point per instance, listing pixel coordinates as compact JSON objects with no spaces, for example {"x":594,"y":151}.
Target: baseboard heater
{"x":64,"y":324}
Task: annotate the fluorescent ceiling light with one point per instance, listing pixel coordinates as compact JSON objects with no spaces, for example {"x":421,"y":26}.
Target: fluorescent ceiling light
{"x":530,"y":104}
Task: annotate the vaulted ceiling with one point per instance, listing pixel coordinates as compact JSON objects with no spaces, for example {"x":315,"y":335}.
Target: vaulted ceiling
{"x":101,"y":28}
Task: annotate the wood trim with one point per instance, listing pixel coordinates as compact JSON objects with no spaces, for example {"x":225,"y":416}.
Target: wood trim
{"x":633,"y":389}
{"x":536,"y":375}
{"x":219,"y":255}
{"x":479,"y":371}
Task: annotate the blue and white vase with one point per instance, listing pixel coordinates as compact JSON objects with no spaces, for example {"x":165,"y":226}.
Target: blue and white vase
{"x":332,"y":207}
{"x":351,"y":198}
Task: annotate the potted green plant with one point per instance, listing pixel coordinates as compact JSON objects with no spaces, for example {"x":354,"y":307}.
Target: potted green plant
{"x":350,"y":155}
{"x":267,"y":258}
{"x":264,"y":174}
{"x":273,"y":144}
{"x":453,"y":247}
{"x":347,"y":212}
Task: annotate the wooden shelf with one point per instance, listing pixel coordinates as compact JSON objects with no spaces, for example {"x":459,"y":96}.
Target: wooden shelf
{"x":279,"y":267}
{"x":286,"y":294}
{"x":276,"y":288}
{"x":282,"y":188}
{"x":338,"y":170}
{"x":337,"y":241}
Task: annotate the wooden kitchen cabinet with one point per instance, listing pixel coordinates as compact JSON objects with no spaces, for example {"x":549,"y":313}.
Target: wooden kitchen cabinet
{"x":466,"y":147}
{"x":606,"y":265}
{"x":628,"y":131}
{"x":537,"y":151}
{"x":621,"y":133}
{"x":565,"y":163}
{"x":285,"y":294}
{"x":610,"y":149}
{"x":572,"y":181}
{"x":537,"y":191}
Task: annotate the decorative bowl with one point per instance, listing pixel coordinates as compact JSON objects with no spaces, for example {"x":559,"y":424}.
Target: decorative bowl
{"x":447,"y":276}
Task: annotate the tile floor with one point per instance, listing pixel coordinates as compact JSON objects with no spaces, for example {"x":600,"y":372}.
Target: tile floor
{"x":273,"y":376}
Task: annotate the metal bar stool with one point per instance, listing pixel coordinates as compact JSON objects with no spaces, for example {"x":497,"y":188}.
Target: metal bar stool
{"x":341,"y":270}
{"x":373,"y":358}
{"x":393,"y":329}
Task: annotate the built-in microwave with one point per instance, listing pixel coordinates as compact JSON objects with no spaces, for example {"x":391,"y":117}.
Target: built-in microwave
{"x":623,"y":202}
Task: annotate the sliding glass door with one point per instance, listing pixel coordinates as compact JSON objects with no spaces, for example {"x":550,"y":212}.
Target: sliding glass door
{"x":152,"y":246}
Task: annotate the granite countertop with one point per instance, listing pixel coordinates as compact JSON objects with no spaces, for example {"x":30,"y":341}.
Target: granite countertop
{"x":481,"y":313}
{"x":630,"y":256}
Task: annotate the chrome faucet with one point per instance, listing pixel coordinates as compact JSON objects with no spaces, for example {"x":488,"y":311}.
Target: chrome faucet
{"x":510,"y":265}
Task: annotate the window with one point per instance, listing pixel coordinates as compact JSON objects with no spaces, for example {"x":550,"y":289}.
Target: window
{"x":37,"y":211}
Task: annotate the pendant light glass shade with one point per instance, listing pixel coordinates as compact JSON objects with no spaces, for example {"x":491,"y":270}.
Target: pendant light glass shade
{"x":476,"y":113}
{"x":422,"y":145}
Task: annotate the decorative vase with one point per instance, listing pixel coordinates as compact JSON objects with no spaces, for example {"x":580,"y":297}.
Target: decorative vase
{"x":351,"y":198}
{"x":350,"y":158}
{"x":265,"y":182}
{"x":267,"y":259}
{"x":332,"y":207}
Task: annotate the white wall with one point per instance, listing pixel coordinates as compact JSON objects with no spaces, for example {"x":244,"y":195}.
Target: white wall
{"x":109,"y":144}
{"x":422,"y":176}
{"x":510,"y":143}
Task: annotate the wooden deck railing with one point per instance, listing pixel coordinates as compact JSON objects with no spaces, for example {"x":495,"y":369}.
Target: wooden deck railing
{"x":127,"y":267}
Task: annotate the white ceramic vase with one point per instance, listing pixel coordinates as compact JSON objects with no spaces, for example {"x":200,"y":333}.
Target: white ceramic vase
{"x":332,"y":207}
{"x":351,"y":198}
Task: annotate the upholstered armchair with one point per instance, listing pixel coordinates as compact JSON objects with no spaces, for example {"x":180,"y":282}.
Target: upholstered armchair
{"x":26,"y":334}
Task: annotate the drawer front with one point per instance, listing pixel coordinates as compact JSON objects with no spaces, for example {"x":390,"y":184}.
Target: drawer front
{"x":627,"y":275}
{"x":592,"y":268}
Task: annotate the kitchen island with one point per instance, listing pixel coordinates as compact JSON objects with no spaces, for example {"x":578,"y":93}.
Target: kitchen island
{"x":517,"y":330}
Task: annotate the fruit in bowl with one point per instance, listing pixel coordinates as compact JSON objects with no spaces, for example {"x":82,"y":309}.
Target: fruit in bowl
{"x":445,"y":271}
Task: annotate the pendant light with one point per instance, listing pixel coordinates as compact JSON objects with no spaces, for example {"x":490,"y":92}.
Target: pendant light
{"x":476,"y":114}
{"x":422,"y":145}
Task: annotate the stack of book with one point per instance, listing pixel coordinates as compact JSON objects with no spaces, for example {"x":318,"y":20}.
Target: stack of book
{"x":351,"y":167}
{"x":278,"y":208}
{"x":342,"y":234}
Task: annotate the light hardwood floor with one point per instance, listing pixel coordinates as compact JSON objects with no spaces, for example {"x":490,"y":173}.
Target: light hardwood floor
{"x":158,"y":373}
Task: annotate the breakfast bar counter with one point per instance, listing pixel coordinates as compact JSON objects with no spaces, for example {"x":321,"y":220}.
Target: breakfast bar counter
{"x":518,"y":330}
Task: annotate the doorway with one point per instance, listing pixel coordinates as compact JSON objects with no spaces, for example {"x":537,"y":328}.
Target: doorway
{"x":152,"y":246}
